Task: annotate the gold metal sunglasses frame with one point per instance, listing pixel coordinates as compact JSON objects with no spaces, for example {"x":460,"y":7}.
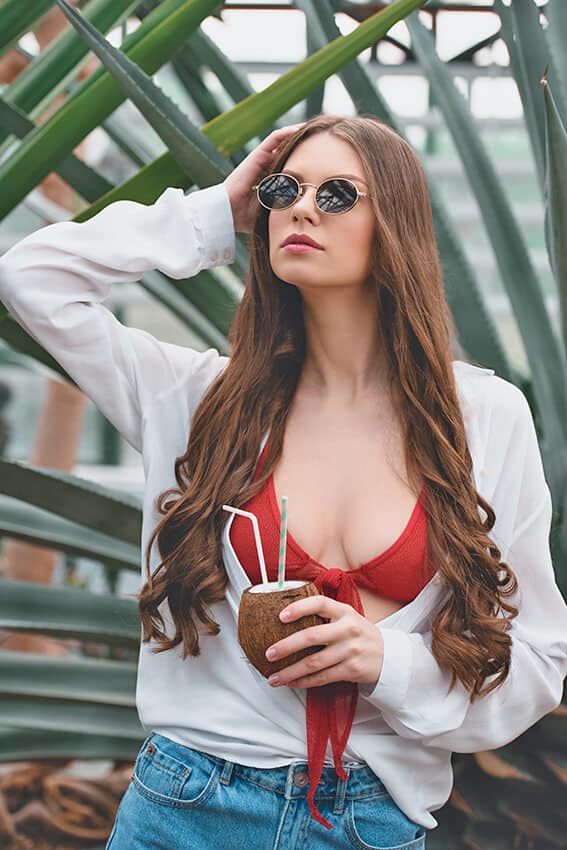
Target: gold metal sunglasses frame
{"x":359,"y":194}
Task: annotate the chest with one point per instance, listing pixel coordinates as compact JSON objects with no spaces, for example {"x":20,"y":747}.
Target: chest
{"x":349,"y":495}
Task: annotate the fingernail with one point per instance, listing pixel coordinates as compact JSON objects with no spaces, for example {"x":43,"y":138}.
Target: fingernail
{"x":285,"y":615}
{"x":270,"y":653}
{"x":274,"y":680}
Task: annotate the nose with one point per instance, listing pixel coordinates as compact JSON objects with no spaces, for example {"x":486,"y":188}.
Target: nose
{"x":305,"y":204}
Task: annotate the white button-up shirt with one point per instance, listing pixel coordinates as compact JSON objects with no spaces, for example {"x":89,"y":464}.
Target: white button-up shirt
{"x":54,"y":283}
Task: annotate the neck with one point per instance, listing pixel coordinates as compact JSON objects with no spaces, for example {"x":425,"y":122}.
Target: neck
{"x":344,"y":358}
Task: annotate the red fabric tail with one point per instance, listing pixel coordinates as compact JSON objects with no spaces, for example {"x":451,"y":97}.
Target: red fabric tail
{"x":330,"y":711}
{"x":317,"y":723}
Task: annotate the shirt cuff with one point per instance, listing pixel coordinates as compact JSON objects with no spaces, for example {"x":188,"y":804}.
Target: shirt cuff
{"x":215,"y":221}
{"x":393,"y":683}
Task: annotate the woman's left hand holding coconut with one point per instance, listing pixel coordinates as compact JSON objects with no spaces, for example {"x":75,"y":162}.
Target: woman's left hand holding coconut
{"x":353,"y":646}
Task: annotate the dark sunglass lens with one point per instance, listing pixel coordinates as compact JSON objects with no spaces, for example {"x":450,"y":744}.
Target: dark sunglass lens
{"x":277,"y":191}
{"x":336,"y":196}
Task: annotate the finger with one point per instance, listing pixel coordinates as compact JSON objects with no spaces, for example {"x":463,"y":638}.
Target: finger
{"x":304,"y":638}
{"x":326,"y":676}
{"x":272,"y":141}
{"x":310,"y":666}
{"x":289,"y":128}
{"x":318,"y":604}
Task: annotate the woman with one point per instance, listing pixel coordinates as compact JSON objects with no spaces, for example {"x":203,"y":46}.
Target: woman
{"x":410,"y":477}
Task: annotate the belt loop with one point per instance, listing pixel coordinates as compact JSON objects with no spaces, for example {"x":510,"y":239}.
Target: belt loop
{"x":339,"y":806}
{"x":226,"y":774}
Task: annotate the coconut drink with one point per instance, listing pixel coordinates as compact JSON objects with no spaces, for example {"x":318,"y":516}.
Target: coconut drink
{"x":259,"y":624}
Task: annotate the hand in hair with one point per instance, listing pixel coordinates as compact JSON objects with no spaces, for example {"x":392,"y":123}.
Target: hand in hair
{"x":257,"y":164}
{"x":353,"y":651}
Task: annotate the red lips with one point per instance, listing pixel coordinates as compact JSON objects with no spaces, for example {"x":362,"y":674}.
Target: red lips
{"x":300,"y":239}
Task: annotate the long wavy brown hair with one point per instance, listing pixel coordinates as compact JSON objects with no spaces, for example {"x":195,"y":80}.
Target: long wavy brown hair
{"x":254,"y":392}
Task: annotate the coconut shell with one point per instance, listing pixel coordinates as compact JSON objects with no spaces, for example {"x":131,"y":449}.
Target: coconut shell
{"x":259,"y":625}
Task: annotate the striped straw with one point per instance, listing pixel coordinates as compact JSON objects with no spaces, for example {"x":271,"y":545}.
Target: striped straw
{"x":283,"y":541}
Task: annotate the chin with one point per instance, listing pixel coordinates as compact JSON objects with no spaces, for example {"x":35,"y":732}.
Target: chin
{"x":289,"y":282}
{"x":296,"y":276}
{"x":294,"y":273}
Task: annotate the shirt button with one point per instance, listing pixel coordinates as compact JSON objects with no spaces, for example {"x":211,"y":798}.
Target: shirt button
{"x":214,"y":256}
{"x":301,"y":779}
{"x":227,"y":254}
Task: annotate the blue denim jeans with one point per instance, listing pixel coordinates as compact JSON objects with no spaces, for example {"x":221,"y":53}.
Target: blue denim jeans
{"x":183,"y":799}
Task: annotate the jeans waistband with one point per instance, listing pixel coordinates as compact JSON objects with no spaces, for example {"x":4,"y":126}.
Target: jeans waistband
{"x":290,"y":781}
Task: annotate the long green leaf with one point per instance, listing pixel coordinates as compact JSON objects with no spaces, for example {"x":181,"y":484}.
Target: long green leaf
{"x":160,"y":35}
{"x":88,"y":679}
{"x":8,"y":357}
{"x":17,"y":17}
{"x":26,"y":744}
{"x":193,"y":83}
{"x":556,"y":215}
{"x":139,"y":150}
{"x":181,"y":303}
{"x":314,"y":101}
{"x":207,"y":102}
{"x":202,"y":49}
{"x":248,"y":118}
{"x":556,"y":36}
{"x":80,"y":176}
{"x":526,"y":46}
{"x":193,"y":150}
{"x":477,"y":331}
{"x":213,"y":296}
{"x":545,"y":355}
{"x":70,"y":716}
{"x":189,"y":147}
{"x":66,"y":612}
{"x":107,"y":511}
{"x":38,"y":526}
{"x":231,"y":130}
{"x":49,"y":71}
{"x":201,"y":52}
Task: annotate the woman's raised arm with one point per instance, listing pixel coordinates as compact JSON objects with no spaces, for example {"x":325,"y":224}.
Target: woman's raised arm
{"x":54,"y":281}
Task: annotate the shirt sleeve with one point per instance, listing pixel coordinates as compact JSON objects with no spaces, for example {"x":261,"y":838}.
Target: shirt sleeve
{"x":412,"y":691}
{"x":54,"y":281}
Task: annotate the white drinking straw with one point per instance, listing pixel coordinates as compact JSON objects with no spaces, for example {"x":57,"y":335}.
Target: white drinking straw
{"x":283,"y":540}
{"x":259,"y":549}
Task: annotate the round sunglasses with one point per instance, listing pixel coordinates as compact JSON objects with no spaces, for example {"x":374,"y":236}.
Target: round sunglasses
{"x":333,"y":196}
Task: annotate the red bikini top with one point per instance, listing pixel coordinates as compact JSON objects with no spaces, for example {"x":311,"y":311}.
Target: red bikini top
{"x":399,"y":573}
